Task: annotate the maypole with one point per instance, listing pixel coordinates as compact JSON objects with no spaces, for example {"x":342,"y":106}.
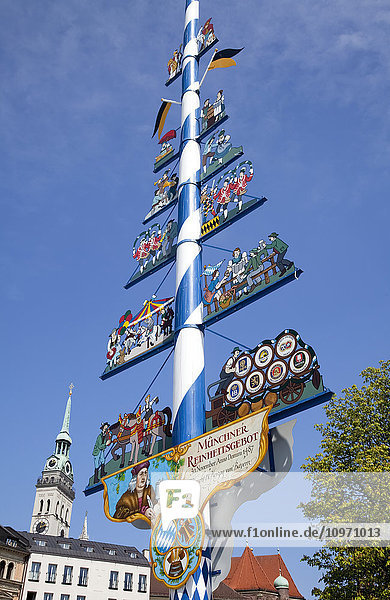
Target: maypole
{"x":188,"y":379}
{"x":188,"y":375}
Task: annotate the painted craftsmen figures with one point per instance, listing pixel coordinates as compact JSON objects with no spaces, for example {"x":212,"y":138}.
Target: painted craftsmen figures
{"x":102,"y":441}
{"x":280,"y":248}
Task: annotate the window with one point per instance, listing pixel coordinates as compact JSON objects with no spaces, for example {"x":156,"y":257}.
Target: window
{"x":68,"y":573}
{"x":11,"y":542}
{"x":47,"y":596}
{"x":62,"y":534}
{"x":142,"y":583}
{"x":31,"y":595}
{"x":2,"y":569}
{"x":83,"y":576}
{"x":64,"y":597}
{"x":40,"y":542}
{"x":48,"y":506}
{"x":80,"y":598}
{"x":64,"y":545}
{"x":128,"y":582}
{"x":89,"y":549}
{"x":66,"y":516}
{"x":10,"y":570}
{"x":41,"y":506}
{"x":113,"y":584}
{"x":112,"y":552}
{"x":57,"y":507}
{"x":35,"y":571}
{"x":51,"y":573}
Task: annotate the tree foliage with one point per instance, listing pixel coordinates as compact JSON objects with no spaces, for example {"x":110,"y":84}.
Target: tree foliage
{"x":355,"y":438}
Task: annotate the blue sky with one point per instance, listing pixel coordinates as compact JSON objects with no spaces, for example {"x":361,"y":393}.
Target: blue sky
{"x":80,"y":90}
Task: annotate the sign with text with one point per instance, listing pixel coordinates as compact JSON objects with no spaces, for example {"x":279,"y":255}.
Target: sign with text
{"x":215,"y":460}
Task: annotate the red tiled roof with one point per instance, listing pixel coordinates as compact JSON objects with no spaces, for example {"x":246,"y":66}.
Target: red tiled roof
{"x":223,"y":591}
{"x":247,"y":574}
{"x":250,"y":572}
{"x":271,"y":564}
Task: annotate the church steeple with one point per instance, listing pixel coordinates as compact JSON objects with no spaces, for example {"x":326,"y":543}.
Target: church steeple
{"x":54,"y":496}
{"x":63,"y":440}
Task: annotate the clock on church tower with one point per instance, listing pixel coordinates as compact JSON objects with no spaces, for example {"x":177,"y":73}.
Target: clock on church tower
{"x":54,"y":489}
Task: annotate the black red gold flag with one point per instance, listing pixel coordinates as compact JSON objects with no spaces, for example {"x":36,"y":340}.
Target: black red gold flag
{"x":224,"y":58}
{"x":161,"y":116}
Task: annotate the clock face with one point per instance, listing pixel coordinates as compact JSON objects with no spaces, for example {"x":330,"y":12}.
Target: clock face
{"x":41,"y":526}
{"x":67,"y":468}
{"x":52,"y":463}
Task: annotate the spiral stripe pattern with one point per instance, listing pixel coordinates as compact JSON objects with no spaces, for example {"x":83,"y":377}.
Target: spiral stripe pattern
{"x":188,"y":376}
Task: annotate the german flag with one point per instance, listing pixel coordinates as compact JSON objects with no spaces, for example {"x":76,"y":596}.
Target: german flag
{"x":161,"y":116}
{"x":224,"y":58}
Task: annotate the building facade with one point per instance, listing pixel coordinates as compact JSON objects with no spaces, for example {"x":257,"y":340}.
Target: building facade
{"x":14,"y":553}
{"x":68,"y":569}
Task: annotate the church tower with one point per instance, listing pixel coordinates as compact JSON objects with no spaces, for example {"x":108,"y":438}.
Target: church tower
{"x":54,"y":496}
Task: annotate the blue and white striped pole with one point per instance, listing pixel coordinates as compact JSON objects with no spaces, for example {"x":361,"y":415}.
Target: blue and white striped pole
{"x":188,"y":377}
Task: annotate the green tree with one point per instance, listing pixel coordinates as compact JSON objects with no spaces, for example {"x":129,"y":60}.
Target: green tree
{"x":355,"y":438}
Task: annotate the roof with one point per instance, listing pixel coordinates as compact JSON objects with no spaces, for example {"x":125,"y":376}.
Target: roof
{"x":13,"y":540}
{"x":271,"y":564}
{"x":223,"y":591}
{"x":56,"y":545}
{"x":250,"y":572}
{"x":246,"y":574}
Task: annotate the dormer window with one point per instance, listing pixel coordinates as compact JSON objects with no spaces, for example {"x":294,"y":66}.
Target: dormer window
{"x":89,"y":549}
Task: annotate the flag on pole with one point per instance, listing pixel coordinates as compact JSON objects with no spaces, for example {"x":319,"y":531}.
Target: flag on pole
{"x":224,"y":58}
{"x":161,"y":116}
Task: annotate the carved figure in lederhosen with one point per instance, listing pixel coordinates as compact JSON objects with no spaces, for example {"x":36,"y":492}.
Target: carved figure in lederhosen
{"x":280,"y":248}
{"x":212,"y":289}
{"x":240,"y":185}
{"x":168,"y":238}
{"x":255,"y":265}
{"x":219,"y":105}
{"x":113,"y":347}
{"x":227,"y":372}
{"x":209,"y":151}
{"x":155,"y":245}
{"x":223,"y":146}
{"x":236,"y":268}
{"x":223,"y":197}
{"x":142,"y":253}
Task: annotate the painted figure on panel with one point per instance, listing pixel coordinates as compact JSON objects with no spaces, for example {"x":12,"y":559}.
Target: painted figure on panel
{"x":165,"y":194}
{"x":102,"y":441}
{"x":228,"y":370}
{"x":154,"y":245}
{"x":174,"y":63}
{"x":245,"y":274}
{"x":167,"y":153}
{"x":280,"y":249}
{"x":212,"y":113}
{"x":218,"y":152}
{"x":135,"y":336}
{"x":140,"y":496}
{"x":206,"y":36}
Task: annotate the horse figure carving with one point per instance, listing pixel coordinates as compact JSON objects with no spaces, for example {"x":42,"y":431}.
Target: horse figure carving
{"x":157,"y":428}
{"x":130,"y":429}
